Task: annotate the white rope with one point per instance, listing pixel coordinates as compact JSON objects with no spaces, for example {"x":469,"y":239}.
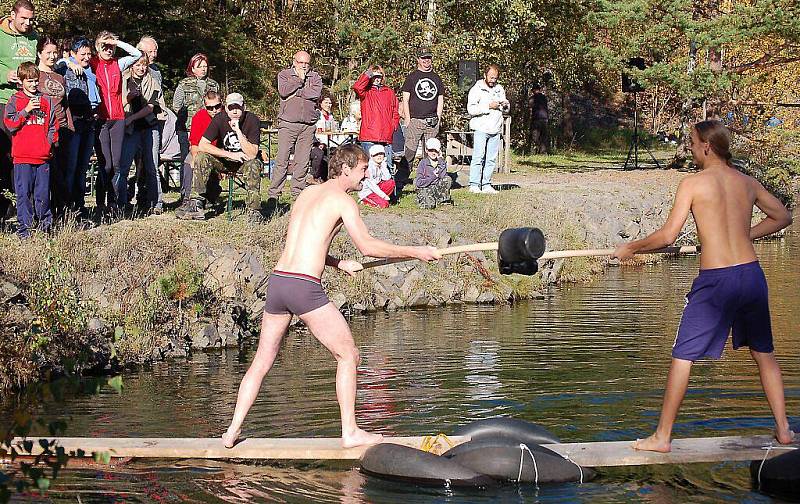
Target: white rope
{"x":768,"y":449}
{"x":766,"y":454}
{"x":566,"y":456}
{"x":522,"y":449}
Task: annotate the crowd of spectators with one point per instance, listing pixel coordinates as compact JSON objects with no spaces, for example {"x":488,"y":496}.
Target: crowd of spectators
{"x":75,"y":103}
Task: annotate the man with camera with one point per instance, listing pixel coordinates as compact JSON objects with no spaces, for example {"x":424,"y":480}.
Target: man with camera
{"x":423,"y":101}
{"x":486,"y":104}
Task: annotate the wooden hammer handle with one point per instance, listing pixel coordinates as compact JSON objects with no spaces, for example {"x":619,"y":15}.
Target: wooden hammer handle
{"x":562,"y":254}
{"x":556,"y":254}
{"x":473,"y":247}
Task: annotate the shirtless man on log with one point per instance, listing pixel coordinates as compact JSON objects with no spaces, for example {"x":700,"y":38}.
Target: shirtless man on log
{"x":295,"y":288}
{"x":730,"y":291}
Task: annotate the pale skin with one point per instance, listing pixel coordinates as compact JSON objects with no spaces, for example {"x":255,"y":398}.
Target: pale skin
{"x":249,"y":151}
{"x":47,"y":58}
{"x":721,"y":200}
{"x":490,"y":78}
{"x":107,"y":47}
{"x":30,"y":87}
{"x":317,"y":216}
{"x":21,"y":22}
{"x":82,"y":56}
{"x":149,"y":47}
{"x":200,"y":69}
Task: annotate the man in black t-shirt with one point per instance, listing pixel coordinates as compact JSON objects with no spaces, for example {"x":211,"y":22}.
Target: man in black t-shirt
{"x":230,"y":144}
{"x":423,"y":101}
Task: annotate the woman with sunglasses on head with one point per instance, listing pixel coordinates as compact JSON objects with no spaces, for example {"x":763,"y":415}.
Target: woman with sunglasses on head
{"x":188,"y":99}
{"x":52,"y":84}
{"x":111,"y":114}
{"x":144,"y":107}
{"x":82,"y":101}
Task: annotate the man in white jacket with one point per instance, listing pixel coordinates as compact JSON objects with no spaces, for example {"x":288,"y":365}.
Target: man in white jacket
{"x":486,"y":103}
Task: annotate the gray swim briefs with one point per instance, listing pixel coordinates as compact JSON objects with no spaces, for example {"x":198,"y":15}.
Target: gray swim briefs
{"x":294,"y":293}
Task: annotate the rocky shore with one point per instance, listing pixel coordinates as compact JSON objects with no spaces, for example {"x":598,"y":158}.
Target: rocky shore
{"x":157,"y":288}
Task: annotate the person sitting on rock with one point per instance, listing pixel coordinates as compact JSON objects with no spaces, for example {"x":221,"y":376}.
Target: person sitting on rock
{"x":378,"y":186}
{"x":432,"y":181}
{"x":237,"y":133}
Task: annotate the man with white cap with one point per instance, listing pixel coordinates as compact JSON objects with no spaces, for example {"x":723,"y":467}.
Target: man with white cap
{"x":230,"y":144}
{"x":432,"y":181}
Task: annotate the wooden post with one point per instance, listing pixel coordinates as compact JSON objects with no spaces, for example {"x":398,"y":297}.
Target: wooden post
{"x":504,"y":156}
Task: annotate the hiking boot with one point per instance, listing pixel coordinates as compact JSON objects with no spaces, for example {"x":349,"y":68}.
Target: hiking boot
{"x":193,"y":209}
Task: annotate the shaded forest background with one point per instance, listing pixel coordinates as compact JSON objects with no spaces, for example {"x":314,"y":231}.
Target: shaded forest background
{"x":738,"y":60}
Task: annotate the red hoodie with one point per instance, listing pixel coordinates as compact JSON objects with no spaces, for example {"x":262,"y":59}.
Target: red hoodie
{"x":34,"y":133}
{"x":379,"y":114}
{"x":109,"y":80}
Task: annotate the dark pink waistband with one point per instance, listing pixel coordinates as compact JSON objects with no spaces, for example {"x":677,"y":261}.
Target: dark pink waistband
{"x":297,"y":276}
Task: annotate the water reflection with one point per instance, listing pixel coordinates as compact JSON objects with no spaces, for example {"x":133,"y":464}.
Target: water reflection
{"x":588,"y":363}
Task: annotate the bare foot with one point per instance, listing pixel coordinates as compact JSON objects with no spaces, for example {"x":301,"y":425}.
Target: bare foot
{"x":360,"y":437}
{"x":652,"y":443}
{"x":784,"y":436}
{"x":229,"y":439}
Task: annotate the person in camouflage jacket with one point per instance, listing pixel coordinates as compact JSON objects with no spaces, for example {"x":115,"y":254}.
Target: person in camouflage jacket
{"x":188,"y":98}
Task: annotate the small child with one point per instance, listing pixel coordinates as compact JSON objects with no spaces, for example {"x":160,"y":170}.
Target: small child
{"x":378,"y":186}
{"x":30,"y":118}
{"x":432,"y":181}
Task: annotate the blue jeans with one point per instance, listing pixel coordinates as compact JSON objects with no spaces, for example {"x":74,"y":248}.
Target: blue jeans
{"x":32,"y":187}
{"x":484,"y":158}
{"x":387,"y":146}
{"x":140,"y":140}
{"x":78,"y":155}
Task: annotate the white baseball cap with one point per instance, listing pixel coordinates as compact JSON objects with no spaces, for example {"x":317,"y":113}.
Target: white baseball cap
{"x":433,"y":144}
{"x":234,"y":99}
{"x":377,"y":149}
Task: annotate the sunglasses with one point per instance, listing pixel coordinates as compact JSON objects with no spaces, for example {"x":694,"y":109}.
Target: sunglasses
{"x":235,"y":107}
{"x":214,"y":107}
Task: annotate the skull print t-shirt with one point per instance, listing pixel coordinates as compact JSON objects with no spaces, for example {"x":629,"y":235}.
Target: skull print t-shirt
{"x":221,"y":131}
{"x":425,"y":89}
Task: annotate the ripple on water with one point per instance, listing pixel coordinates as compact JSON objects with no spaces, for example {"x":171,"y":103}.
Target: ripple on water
{"x":588,"y":363}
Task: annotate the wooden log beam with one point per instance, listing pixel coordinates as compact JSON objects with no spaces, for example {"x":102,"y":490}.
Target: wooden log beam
{"x":684,"y":451}
{"x":596,"y":454}
{"x":253,"y":448}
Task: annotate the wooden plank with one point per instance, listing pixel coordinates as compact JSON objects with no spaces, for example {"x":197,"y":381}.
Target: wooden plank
{"x":253,"y":448}
{"x":597,"y":454}
{"x":684,"y":451}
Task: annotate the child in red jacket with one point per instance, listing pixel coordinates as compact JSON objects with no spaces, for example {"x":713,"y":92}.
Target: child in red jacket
{"x":31,"y":120}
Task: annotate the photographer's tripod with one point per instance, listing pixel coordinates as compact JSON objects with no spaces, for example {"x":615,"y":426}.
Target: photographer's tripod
{"x":634,"y":148}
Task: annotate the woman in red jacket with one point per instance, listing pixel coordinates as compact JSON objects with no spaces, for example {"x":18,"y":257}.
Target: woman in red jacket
{"x":111,"y":115}
{"x":379,"y":111}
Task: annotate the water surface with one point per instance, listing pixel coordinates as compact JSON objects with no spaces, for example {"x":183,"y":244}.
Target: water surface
{"x":589,"y":363}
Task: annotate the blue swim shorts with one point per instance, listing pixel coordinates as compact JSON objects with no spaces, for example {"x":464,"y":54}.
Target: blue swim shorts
{"x":722,"y":299}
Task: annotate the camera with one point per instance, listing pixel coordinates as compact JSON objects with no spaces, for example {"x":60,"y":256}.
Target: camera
{"x":505,"y":107}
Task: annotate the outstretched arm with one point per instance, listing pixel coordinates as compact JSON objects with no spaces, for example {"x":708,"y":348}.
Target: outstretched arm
{"x":668,"y":233}
{"x":370,"y":246}
{"x":778,"y":217}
